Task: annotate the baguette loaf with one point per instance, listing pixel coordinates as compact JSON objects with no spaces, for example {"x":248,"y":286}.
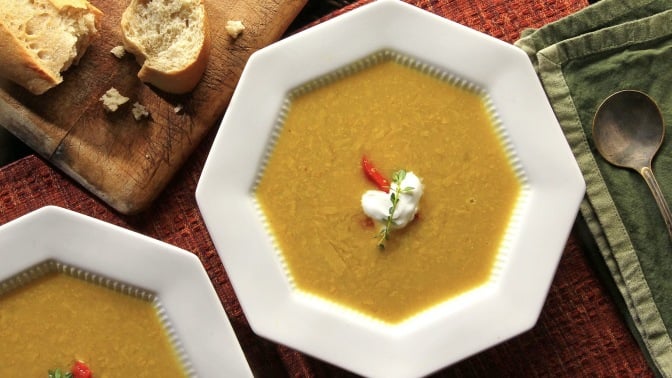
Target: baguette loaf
{"x":39,"y":39}
{"x":170,"y":40}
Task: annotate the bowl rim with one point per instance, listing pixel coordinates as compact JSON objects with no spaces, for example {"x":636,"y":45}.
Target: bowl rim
{"x":556,"y":187}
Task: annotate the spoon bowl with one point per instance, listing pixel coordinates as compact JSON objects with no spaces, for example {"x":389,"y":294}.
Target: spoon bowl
{"x":628,"y":130}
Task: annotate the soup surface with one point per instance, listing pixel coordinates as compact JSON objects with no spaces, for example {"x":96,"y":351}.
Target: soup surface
{"x":400,"y":118}
{"x":57,"y":319}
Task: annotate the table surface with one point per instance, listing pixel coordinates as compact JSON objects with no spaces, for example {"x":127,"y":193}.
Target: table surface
{"x":580,"y":331}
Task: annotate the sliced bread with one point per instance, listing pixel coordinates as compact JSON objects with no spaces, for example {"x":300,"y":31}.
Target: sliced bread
{"x":39,"y":39}
{"x":170,"y":40}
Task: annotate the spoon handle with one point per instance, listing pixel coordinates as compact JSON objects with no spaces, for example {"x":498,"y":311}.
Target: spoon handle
{"x":650,"y":179}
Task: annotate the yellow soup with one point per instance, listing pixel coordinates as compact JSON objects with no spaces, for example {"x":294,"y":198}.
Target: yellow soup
{"x":401,"y":118}
{"x":57,"y":319}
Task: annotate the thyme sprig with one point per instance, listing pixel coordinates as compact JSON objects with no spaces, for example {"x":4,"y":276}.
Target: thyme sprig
{"x":397,"y":178}
{"x":59,"y":374}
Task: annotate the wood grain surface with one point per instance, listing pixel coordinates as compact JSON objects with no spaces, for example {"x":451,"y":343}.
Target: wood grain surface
{"x":124,"y":162}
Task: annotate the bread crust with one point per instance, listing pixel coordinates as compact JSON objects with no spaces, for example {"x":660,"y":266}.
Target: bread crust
{"x":20,"y":64}
{"x":179,"y":81}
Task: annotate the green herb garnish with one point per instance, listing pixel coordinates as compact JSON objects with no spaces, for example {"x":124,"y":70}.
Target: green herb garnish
{"x":397,"y":178}
{"x":59,"y":374}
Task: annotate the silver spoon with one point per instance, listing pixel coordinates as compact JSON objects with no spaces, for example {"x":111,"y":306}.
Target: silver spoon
{"x":628,"y":130}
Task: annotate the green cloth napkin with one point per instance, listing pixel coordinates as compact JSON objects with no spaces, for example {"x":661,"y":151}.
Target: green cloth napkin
{"x":582,"y":59}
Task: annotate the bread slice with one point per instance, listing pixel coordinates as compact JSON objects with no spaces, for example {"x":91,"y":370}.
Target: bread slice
{"x":39,"y":39}
{"x":170,"y":39}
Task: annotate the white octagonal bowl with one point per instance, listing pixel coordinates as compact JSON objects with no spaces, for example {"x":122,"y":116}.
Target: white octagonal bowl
{"x":459,"y":328}
{"x":176,"y":277}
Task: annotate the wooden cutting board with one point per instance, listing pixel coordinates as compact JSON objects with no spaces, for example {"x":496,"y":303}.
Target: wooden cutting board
{"x":124,"y":162}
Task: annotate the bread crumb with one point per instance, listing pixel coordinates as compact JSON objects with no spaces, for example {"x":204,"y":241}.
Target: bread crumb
{"x":112,"y":100}
{"x":234,"y":28}
{"x":139,"y":111}
{"x":178,"y":109}
{"x":118,"y":51}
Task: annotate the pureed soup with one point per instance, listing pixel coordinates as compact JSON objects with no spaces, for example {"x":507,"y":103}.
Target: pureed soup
{"x":400,"y":119}
{"x":57,"y":319}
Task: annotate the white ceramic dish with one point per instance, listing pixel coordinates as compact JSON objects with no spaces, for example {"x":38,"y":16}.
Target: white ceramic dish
{"x":176,"y":277}
{"x":458,"y":328}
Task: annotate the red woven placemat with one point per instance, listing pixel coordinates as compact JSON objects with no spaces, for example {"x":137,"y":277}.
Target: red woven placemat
{"x":579,"y":333}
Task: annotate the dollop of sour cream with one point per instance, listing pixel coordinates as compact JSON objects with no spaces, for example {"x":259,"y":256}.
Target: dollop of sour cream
{"x":376,"y":203}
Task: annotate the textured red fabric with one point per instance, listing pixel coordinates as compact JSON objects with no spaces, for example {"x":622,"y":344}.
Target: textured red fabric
{"x":579,"y":333}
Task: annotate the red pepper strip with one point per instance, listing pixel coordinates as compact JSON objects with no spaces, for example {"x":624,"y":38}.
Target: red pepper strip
{"x":374,"y":175}
{"x":80,"y":370}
